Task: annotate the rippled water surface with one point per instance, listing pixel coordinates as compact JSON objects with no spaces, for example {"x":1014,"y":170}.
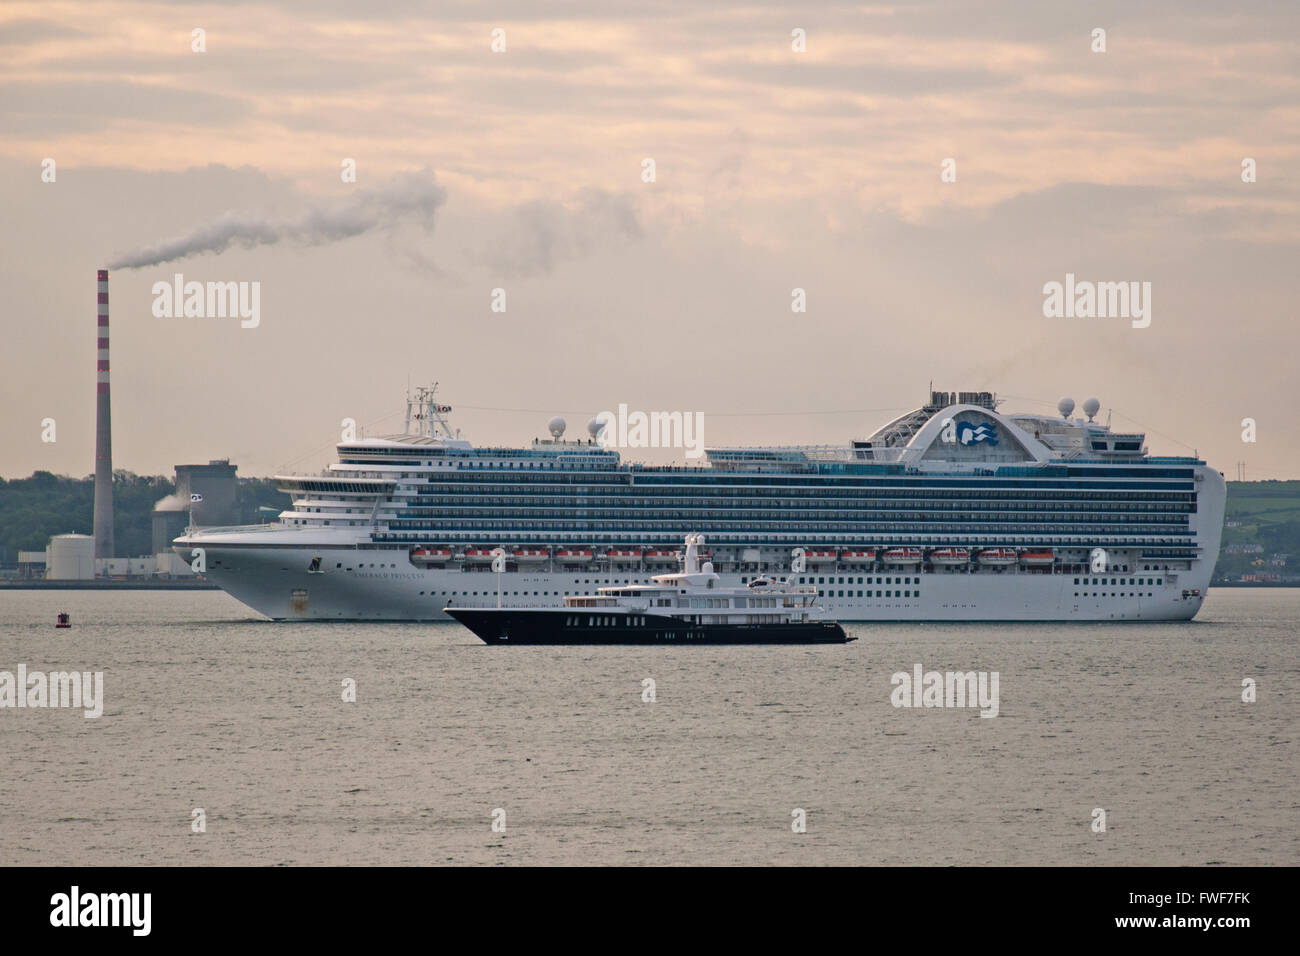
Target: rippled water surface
{"x":209,"y":706}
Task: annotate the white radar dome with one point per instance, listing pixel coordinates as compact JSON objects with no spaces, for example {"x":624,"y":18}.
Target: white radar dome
{"x":594,"y":427}
{"x":1090,"y":407}
{"x":1065,"y":406}
{"x":556,"y":426}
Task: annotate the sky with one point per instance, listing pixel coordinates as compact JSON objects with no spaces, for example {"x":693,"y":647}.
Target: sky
{"x":524,"y":169}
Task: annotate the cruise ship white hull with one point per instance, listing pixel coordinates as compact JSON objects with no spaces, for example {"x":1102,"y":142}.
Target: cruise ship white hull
{"x":386,"y":587}
{"x":968,"y":515}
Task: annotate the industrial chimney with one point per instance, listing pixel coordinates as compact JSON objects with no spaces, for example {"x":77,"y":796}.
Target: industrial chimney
{"x":103,"y":434}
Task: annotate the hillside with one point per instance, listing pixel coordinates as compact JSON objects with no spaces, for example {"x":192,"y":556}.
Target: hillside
{"x":1261,"y":533}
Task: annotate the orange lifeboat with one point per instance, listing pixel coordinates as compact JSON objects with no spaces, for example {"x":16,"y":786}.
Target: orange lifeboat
{"x":623,"y":554}
{"x":997,"y":556}
{"x":1037,"y":558}
{"x":858,"y":557}
{"x":427,"y":556}
{"x":530,"y":555}
{"x":573,"y":555}
{"x":478,"y":555}
{"x":902,"y":556}
{"x":950,"y":556}
{"x":818,"y":556}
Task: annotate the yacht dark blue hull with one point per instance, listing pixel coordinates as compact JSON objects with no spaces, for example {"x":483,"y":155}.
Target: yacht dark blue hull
{"x":522,"y":626}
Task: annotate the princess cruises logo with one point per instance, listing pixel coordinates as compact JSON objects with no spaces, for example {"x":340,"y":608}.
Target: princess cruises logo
{"x":968,"y":434}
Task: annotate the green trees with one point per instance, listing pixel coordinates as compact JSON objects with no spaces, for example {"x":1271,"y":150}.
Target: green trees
{"x":34,"y":509}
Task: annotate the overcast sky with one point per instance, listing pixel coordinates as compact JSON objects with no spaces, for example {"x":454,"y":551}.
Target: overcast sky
{"x":522,"y":170}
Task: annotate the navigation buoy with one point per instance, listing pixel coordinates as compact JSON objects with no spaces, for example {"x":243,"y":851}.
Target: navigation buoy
{"x":65,"y":619}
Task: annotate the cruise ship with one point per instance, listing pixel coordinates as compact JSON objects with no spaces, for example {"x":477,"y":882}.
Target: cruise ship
{"x":955,"y":511}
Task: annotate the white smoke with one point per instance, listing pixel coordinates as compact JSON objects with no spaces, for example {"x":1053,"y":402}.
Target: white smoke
{"x":410,"y":199}
{"x":544,"y":233}
{"x":171,"y":503}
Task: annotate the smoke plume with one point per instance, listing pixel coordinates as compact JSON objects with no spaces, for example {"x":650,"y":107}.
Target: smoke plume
{"x":409,"y":199}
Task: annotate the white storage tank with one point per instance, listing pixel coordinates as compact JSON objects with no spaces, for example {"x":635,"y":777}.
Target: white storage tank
{"x":71,"y":557}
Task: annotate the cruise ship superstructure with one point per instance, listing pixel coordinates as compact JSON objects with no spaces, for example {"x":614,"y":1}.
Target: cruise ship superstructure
{"x":952,"y":512}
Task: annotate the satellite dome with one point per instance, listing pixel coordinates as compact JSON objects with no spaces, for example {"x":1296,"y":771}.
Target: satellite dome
{"x":1065,"y":406}
{"x":706,"y":567}
{"x":1090,"y":407}
{"x":556,"y":427}
{"x":595,"y":427}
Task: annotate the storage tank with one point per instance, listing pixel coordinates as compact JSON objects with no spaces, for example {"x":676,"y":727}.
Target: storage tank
{"x":71,"y":557}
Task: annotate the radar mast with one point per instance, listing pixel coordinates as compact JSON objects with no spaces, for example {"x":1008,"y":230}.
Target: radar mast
{"x":427,"y":414}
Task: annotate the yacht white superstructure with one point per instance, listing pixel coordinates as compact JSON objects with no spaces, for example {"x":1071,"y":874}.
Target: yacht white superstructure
{"x":690,"y":606}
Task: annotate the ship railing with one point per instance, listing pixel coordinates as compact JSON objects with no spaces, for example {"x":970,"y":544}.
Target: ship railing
{"x":239,"y":528}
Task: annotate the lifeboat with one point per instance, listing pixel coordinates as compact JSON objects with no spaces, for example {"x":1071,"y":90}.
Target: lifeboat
{"x":530,"y":555}
{"x":998,"y":556}
{"x":950,"y":556}
{"x":573,"y":555}
{"x":818,"y":557}
{"x":858,"y":557}
{"x":478,"y":555}
{"x":661,"y":557}
{"x":1037,"y":557}
{"x":623,"y":554}
{"x":902,"y":556}
{"x":427,"y":556}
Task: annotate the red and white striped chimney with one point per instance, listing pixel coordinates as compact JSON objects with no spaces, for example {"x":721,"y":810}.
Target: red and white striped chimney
{"x":103,"y":432}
